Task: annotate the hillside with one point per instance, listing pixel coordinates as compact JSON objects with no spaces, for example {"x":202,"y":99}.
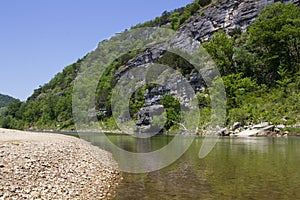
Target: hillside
{"x":257,"y":55}
{"x":5,"y":100}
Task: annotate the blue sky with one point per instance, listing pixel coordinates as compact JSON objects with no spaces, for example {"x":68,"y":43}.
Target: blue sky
{"x":38,"y":38}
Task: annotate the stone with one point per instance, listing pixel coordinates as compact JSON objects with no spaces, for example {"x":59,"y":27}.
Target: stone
{"x":146,"y":114}
{"x":247,"y":133}
{"x":277,"y":130}
{"x":225,"y":132}
{"x":41,"y":169}
{"x":280,"y":126}
{"x":236,"y":125}
{"x":261,"y":125}
{"x":268,"y":128}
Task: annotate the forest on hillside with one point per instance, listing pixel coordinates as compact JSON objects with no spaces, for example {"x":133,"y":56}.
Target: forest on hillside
{"x":5,"y":100}
{"x":260,"y":69}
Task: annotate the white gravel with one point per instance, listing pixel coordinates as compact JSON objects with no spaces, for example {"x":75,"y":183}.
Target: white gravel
{"x":52,"y":166}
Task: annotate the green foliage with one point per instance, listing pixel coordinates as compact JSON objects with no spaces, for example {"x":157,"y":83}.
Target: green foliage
{"x":50,"y":106}
{"x":62,"y":81}
{"x":275,"y":39}
{"x":260,"y":70}
{"x":172,"y":109}
{"x":237,"y":88}
{"x":108,"y":81}
{"x":11,"y":115}
{"x":176,"y":62}
{"x":204,"y":103}
{"x":5,"y":100}
{"x":108,"y":123}
{"x":175,"y":20}
{"x":176,"y":17}
{"x":136,"y":102}
{"x":267,"y":105}
{"x":163,"y":20}
{"x":203,"y":99}
{"x":221,"y":49}
{"x":244,"y":60}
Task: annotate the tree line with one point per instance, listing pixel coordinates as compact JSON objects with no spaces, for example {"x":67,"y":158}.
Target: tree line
{"x":260,"y":69}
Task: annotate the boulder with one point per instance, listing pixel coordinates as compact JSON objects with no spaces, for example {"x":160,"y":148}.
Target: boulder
{"x":236,"y":125}
{"x":268,"y":128}
{"x":145,"y":117}
{"x":277,"y":130}
{"x":261,"y":125}
{"x":247,"y":133}
{"x":281,"y":126}
{"x":225,"y":132}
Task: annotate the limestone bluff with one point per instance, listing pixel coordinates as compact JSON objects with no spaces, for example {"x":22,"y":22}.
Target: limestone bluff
{"x":50,"y":106}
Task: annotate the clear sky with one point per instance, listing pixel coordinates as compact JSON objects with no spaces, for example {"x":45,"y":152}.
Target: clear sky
{"x":38,"y":38}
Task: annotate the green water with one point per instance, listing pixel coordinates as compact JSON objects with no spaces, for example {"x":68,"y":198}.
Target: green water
{"x":237,"y":168}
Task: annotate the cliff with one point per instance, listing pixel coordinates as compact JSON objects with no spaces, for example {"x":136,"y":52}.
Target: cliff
{"x":227,"y":15}
{"x":50,"y":107}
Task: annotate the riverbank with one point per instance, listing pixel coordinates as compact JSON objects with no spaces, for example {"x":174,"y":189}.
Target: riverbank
{"x":53,"y":166}
{"x":288,"y":131}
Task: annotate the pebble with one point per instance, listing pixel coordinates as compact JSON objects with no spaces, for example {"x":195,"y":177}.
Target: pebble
{"x":54,"y":170}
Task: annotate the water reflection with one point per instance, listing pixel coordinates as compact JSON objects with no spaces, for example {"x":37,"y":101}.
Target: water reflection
{"x":262,"y":145}
{"x":144,"y":145}
{"x":237,"y":168}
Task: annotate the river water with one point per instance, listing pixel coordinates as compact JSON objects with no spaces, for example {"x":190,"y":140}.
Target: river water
{"x":237,"y":168}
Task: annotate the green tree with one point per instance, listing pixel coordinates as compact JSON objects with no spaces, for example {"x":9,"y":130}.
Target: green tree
{"x":275,"y":39}
{"x":172,"y":108}
{"x":5,"y":100}
{"x":221,"y":49}
{"x":237,"y":89}
{"x":175,"y":20}
{"x":13,"y":108}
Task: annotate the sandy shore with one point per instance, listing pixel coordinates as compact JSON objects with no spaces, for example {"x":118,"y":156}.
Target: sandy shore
{"x":52,"y":166}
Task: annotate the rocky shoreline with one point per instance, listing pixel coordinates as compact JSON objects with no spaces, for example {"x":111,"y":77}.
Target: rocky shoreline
{"x":53,"y":166}
{"x":263,"y":129}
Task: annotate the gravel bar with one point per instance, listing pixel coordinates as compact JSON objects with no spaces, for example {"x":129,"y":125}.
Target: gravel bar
{"x":54,"y":166}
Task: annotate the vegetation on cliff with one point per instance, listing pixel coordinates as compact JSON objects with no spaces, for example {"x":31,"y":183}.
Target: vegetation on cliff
{"x":176,"y":17}
{"x":260,"y":69}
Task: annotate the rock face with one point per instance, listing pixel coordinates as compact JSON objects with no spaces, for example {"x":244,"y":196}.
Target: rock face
{"x":228,"y":15}
{"x":145,"y":118}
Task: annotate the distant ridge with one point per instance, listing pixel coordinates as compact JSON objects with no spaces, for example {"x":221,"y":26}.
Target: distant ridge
{"x":5,"y":100}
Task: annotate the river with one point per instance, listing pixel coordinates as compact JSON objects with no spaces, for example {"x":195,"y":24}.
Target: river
{"x":237,"y":168}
